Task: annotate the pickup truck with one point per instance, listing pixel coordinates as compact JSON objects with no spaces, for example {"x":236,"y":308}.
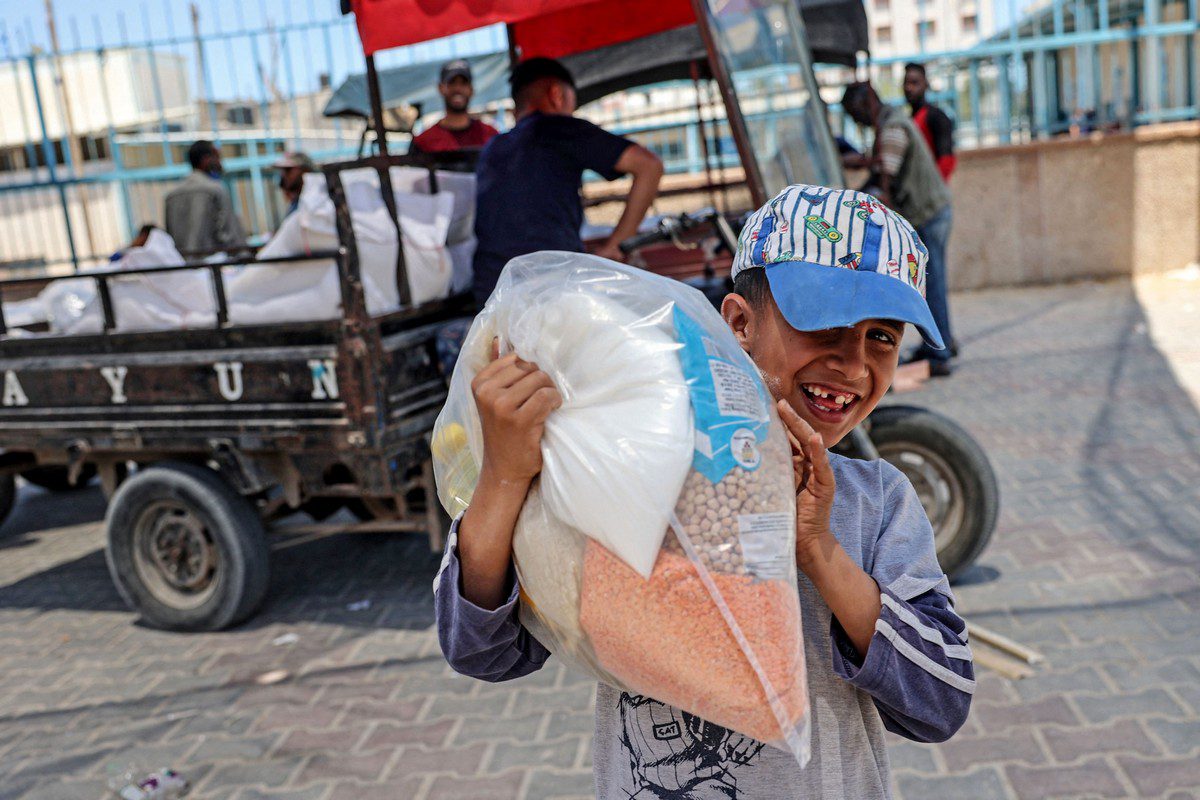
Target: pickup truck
{"x":203,"y":437}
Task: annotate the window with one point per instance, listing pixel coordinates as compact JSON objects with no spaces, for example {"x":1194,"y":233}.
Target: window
{"x":667,"y":144}
{"x":240,"y":115}
{"x":926,"y":30}
{"x":883,"y":34}
{"x":970,"y":23}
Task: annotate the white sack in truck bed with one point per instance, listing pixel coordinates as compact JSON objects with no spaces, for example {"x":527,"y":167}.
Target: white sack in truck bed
{"x":295,"y":291}
{"x":307,"y":290}
{"x":656,"y":550}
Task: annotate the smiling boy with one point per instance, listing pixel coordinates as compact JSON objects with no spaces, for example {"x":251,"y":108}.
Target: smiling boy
{"x":883,"y":645}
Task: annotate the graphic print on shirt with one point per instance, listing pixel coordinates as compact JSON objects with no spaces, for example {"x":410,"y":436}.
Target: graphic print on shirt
{"x":674,"y":755}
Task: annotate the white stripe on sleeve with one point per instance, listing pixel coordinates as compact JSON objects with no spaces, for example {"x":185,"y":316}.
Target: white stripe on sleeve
{"x":923,"y":661}
{"x":959,"y":651}
{"x":451,"y":543}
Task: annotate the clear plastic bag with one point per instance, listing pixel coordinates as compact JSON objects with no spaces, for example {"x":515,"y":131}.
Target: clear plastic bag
{"x":656,"y":550}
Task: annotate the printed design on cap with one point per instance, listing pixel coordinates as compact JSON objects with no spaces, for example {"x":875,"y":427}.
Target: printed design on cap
{"x":919,"y":283}
{"x":866,"y":207}
{"x":871,"y":243}
{"x":758,"y":239}
{"x":822,"y":228}
{"x":850,"y":260}
{"x":837,"y":228}
{"x":760,"y":232}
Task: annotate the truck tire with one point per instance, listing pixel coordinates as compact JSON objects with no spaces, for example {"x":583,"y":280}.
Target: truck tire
{"x":8,"y":495}
{"x":55,"y":478}
{"x":185,"y":550}
{"x":952,"y":476}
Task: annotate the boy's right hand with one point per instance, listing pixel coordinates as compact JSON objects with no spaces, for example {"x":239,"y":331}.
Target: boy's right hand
{"x":514,"y":399}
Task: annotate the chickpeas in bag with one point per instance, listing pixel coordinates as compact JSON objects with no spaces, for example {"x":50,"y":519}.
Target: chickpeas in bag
{"x":656,"y":550}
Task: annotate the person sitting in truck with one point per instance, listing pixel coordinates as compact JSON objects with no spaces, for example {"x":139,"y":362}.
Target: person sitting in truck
{"x":529,"y":179}
{"x":292,"y":169}
{"x":199,"y":212}
{"x":457,"y":130}
{"x":138,"y":241}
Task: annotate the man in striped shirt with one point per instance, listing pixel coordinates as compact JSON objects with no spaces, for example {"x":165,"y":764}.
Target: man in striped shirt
{"x":909,"y":182}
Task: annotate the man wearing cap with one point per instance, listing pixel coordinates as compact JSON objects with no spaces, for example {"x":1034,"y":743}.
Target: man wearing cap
{"x":909,"y":182}
{"x":457,"y":130}
{"x":292,"y":168}
{"x":824,"y":283}
{"x":529,"y":179}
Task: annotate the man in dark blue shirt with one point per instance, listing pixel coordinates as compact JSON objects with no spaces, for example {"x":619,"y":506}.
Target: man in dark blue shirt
{"x":528,"y":180}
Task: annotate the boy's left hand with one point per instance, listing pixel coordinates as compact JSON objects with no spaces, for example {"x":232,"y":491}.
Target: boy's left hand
{"x":815,"y":484}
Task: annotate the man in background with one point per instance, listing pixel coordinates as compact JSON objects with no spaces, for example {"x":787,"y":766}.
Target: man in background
{"x":931,"y":121}
{"x":910,"y":182}
{"x":199,"y":212}
{"x":292,"y":169}
{"x":457,"y":130}
{"x":529,"y":179}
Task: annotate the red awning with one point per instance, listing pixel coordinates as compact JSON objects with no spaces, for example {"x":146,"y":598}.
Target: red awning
{"x":552,"y":28}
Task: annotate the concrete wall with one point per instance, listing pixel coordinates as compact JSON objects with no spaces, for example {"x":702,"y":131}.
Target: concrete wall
{"x":1063,"y":210}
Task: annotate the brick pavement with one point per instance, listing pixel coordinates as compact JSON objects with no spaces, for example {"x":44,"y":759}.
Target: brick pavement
{"x":1087,"y":402}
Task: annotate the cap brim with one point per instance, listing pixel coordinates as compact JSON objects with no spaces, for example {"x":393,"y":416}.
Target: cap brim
{"x":815,"y":297}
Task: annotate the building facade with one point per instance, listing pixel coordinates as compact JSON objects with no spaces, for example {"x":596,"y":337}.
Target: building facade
{"x":907,"y":27}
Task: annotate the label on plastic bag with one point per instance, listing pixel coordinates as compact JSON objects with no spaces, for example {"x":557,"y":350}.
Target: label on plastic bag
{"x":764,"y":539}
{"x":729,"y":403}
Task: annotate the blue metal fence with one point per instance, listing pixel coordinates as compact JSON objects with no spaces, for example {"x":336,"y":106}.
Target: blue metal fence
{"x":257,"y":88}
{"x":254,"y":90}
{"x":1071,"y":65}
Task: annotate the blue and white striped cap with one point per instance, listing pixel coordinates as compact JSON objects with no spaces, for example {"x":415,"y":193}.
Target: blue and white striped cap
{"x":835,"y":257}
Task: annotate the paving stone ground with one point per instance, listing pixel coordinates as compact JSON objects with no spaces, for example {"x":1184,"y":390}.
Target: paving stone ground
{"x":1086,"y":398}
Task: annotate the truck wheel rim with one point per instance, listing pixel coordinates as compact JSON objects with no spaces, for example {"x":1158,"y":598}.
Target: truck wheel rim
{"x":174,"y":554}
{"x":938,"y":488}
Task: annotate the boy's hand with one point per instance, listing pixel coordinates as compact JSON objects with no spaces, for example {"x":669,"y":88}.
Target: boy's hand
{"x":514,"y":398}
{"x":851,"y":594}
{"x":815,"y":484}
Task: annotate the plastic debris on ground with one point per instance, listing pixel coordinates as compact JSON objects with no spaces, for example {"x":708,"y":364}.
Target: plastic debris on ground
{"x":272,"y":677}
{"x":129,"y":783}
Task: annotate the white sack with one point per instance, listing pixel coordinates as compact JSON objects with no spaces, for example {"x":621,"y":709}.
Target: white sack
{"x":460,"y":239}
{"x":140,"y":302}
{"x":616,"y":454}
{"x":257,"y":293}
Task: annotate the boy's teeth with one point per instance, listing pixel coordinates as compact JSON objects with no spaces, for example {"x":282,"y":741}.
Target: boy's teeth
{"x":840,"y":399}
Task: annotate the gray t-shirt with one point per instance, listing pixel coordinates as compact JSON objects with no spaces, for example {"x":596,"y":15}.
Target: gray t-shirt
{"x":916,"y":680}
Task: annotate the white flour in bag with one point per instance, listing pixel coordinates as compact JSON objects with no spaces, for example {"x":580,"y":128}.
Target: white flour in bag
{"x":616,"y":454}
